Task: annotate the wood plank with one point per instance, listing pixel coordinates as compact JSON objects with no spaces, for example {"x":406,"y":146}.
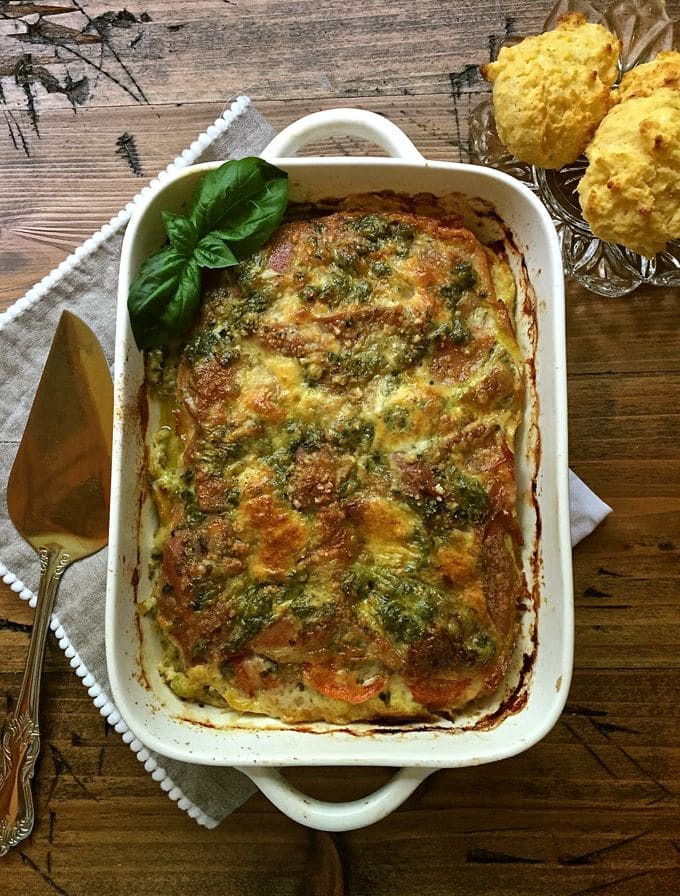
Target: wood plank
{"x":333,"y":48}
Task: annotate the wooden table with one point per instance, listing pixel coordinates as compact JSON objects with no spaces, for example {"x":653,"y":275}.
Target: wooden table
{"x":95,"y":100}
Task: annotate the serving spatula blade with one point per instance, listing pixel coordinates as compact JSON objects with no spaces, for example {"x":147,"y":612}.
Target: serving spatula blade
{"x":58,"y":500}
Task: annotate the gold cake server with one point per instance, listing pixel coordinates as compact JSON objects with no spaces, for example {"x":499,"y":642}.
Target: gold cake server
{"x":58,"y":500}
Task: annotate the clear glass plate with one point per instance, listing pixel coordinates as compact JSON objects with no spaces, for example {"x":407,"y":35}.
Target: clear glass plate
{"x":604,"y":268}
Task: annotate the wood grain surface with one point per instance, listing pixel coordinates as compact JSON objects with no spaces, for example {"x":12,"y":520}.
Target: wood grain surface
{"x":94,"y":100}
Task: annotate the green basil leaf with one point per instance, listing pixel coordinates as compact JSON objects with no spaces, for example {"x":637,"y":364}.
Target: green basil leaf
{"x":152,"y":289}
{"x":154,"y":335}
{"x":229,"y":188}
{"x":181,"y":310}
{"x":213,"y":252}
{"x":181,"y":233}
{"x":250,"y":226}
{"x":233,"y":213}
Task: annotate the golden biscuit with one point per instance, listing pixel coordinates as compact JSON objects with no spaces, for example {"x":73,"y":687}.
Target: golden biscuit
{"x":643,"y":80}
{"x":551,"y":91}
{"x":630,"y":193}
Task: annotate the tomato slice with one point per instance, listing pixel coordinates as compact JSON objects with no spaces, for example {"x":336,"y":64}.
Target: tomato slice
{"x":343,"y":684}
{"x":254,"y":673}
{"x":281,"y":633}
{"x":437,"y":693}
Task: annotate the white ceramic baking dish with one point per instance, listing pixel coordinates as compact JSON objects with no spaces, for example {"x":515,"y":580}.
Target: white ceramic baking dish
{"x":532,"y":698}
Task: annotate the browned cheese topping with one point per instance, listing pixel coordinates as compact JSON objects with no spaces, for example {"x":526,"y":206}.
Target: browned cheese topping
{"x":334,"y":474}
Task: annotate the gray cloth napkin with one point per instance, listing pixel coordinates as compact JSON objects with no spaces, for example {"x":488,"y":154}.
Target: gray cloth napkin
{"x":586,"y":510}
{"x":86,"y":284}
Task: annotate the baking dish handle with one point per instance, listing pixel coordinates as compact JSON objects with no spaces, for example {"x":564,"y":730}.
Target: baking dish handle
{"x":325,"y":816}
{"x":342,"y":123}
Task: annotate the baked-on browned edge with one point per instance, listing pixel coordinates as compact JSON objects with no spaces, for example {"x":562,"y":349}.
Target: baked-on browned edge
{"x":334,"y":474}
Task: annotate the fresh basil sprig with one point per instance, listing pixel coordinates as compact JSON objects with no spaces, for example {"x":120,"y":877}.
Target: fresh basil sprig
{"x":233,"y":213}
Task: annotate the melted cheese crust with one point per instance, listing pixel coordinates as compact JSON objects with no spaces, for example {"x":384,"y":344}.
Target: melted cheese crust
{"x":334,"y":475}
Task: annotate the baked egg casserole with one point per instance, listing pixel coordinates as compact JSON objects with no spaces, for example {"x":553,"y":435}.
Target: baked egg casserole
{"x":334,"y":475}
